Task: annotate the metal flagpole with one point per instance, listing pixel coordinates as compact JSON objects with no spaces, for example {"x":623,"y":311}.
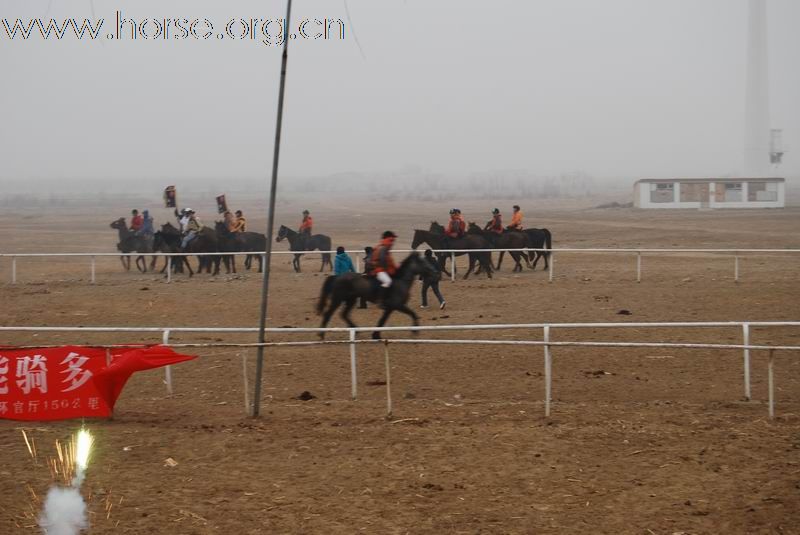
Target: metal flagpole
{"x":271,"y":218}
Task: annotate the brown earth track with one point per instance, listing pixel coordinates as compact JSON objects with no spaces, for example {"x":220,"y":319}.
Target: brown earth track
{"x":659,"y":442}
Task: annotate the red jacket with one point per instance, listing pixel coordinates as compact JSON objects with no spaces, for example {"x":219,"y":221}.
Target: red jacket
{"x":137,"y":222}
{"x":306,"y":225}
{"x":456,"y":228}
{"x":496,"y":224}
{"x":382,"y":258}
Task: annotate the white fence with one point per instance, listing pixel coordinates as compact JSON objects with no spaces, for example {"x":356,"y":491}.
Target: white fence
{"x":546,"y":343}
{"x":735,"y":253}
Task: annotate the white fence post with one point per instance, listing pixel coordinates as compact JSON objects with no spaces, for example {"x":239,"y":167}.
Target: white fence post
{"x":93,"y":269}
{"x":167,"y":369}
{"x":771,"y":384}
{"x":169,"y":269}
{"x":13,"y":270}
{"x":736,"y":268}
{"x":388,"y":379}
{"x":358,"y":264}
{"x":452,"y":267}
{"x":353,"y":370}
{"x":638,"y":266}
{"x":552,"y":263}
{"x":548,"y":371}
{"x":746,"y":342}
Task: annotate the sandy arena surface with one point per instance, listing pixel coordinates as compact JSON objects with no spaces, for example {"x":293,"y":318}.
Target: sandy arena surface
{"x":645,"y":441}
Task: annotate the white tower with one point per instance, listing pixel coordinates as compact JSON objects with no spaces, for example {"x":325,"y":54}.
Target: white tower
{"x":757,"y":131}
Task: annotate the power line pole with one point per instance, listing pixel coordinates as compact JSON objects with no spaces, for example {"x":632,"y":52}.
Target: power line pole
{"x":271,"y":218}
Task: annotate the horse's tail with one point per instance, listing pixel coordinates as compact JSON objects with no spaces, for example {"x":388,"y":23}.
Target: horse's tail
{"x":548,"y":242}
{"x":327,"y":287}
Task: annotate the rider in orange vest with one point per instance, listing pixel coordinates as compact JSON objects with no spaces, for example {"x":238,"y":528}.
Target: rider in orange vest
{"x":383,"y":266}
{"x":496,"y":224}
{"x":305,"y":228}
{"x":516,"y":219}
{"x":456,"y":227}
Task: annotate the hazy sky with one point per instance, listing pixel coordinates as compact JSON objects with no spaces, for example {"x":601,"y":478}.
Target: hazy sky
{"x":609,"y":87}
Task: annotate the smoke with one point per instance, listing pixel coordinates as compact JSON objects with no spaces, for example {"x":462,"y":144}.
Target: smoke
{"x":64,"y":512}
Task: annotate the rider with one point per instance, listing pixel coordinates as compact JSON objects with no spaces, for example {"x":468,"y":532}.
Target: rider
{"x":241,"y":222}
{"x":192,"y":228}
{"x":146,"y":229}
{"x":136,"y":221}
{"x":456,"y":226}
{"x":496,"y":224}
{"x":383,"y":266}
{"x":183,"y":218}
{"x":230,"y":222}
{"x":305,"y":229}
{"x":516,"y":219}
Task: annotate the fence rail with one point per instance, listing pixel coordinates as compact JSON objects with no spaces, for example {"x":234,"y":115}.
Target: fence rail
{"x":736,"y":253}
{"x":547,"y":343}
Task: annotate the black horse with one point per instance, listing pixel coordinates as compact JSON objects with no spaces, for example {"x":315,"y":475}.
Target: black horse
{"x":436,"y":239}
{"x":539,"y":238}
{"x":349,"y":287}
{"x":130,"y":242}
{"x":506,"y":240}
{"x":168,"y":240}
{"x":297,"y":243}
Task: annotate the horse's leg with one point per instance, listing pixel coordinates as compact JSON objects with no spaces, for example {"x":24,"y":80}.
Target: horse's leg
{"x":296,"y":263}
{"x":188,"y":265}
{"x":141,"y":264}
{"x":517,"y":264}
{"x":471,"y":265}
{"x":536,"y":256}
{"x":376,"y":335}
{"x":216,"y":261}
{"x":348,"y":306}
{"x":126,"y":262}
{"x":485,"y":259}
{"x":527,"y":257}
{"x":335,"y":302}
{"x":408,"y":312}
{"x":500,"y":260}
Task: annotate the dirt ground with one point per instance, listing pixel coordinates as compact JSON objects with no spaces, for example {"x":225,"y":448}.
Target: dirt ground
{"x":645,"y":441}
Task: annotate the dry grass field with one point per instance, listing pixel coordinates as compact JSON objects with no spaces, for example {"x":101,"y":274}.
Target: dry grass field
{"x":644,"y":441}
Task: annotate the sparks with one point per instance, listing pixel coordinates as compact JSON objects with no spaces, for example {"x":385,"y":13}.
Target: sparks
{"x":84,"y":440}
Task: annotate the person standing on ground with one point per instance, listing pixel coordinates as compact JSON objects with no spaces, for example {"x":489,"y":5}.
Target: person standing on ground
{"x":342,"y":263}
{"x":432,"y":281}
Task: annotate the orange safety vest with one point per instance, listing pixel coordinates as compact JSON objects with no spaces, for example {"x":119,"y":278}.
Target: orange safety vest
{"x":306,"y":225}
{"x":382,"y":258}
{"x":516,"y":220}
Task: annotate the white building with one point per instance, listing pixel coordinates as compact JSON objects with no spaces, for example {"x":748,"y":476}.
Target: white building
{"x":709,"y":193}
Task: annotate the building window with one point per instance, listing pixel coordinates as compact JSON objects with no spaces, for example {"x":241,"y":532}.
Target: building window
{"x":762,"y":191}
{"x":660,"y":193}
{"x":733,"y":192}
{"x":694,"y":192}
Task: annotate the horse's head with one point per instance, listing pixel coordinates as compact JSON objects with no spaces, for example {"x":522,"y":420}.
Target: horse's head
{"x":436,"y":228}
{"x":474,"y":229}
{"x":168,"y":228}
{"x":220,"y":227}
{"x":119,"y":224}
{"x":283,"y":233}
{"x":414,"y":265}
{"x":419,"y":239}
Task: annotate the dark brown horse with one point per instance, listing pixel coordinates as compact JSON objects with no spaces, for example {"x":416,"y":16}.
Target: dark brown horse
{"x":436,"y":239}
{"x":297,"y":243}
{"x":350,"y":287}
{"x":130,"y":242}
{"x":506,"y":240}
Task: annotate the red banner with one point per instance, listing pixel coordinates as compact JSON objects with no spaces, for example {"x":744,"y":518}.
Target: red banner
{"x":71,"y":381}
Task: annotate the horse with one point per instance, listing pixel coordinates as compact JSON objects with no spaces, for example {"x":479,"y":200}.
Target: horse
{"x":130,"y":242}
{"x":252,"y":242}
{"x":436,"y":239}
{"x":168,"y":240}
{"x":506,"y":240}
{"x":205,"y":242}
{"x":297,"y":243}
{"x":227,"y":243}
{"x":539,"y":238}
{"x":350,"y":287}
